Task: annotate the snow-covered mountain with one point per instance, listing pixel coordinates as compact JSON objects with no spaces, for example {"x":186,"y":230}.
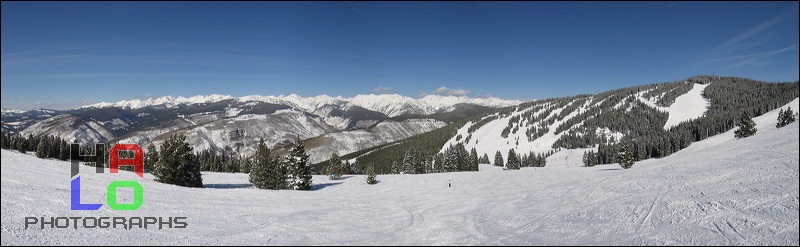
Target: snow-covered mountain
{"x":510,"y":131}
{"x":719,"y":191}
{"x":655,"y":120}
{"x":8,"y":112}
{"x":390,"y":104}
{"x":228,"y":124}
{"x":644,"y":115}
{"x":16,"y":120}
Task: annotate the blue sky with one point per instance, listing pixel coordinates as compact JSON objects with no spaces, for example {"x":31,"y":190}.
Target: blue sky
{"x":65,"y":54}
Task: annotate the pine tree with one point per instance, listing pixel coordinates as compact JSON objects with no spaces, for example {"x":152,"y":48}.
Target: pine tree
{"x":625,"y":156}
{"x":63,"y":150}
{"x":419,"y":163}
{"x":4,"y":141}
{"x":41,"y":149}
{"x":785,"y":117}
{"x":473,"y":160}
{"x":335,"y":166}
{"x":265,"y":172}
{"x":246,"y":165}
{"x":150,"y":157}
{"x":586,"y":161}
{"x":438,"y":162}
{"x":408,"y":162}
{"x":298,"y":165}
{"x":395,"y":167}
{"x":22,"y":144}
{"x":371,"y":177}
{"x":177,"y":164}
{"x":746,"y":127}
{"x":498,"y":159}
{"x":32,"y":143}
{"x":484,"y":159}
{"x":451,"y":160}
{"x":462,"y":157}
{"x":513,"y":160}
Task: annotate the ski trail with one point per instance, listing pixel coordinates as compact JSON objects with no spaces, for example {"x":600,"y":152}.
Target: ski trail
{"x":649,"y":212}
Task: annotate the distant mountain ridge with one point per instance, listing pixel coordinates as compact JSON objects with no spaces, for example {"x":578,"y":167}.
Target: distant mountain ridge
{"x":390,"y":104}
{"x":226,"y":124}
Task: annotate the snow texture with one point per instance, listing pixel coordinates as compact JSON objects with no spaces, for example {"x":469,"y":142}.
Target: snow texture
{"x":720,"y":191}
{"x":688,"y":106}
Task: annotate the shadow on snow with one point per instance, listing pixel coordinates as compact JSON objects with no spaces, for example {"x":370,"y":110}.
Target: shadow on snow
{"x":227,"y":186}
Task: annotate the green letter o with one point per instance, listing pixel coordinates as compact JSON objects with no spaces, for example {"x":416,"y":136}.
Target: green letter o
{"x":138,"y":195}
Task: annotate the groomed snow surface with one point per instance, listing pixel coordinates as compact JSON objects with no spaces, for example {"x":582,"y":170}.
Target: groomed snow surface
{"x":688,"y":106}
{"x":722,"y":191}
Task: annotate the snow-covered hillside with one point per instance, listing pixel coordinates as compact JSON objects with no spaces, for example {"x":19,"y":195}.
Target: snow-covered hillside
{"x":487,"y":139}
{"x":688,"y":106}
{"x":720,"y":191}
{"x":344,"y":142}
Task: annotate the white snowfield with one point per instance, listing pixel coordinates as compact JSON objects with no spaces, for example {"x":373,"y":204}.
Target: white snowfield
{"x":721,"y":191}
{"x":688,"y":106}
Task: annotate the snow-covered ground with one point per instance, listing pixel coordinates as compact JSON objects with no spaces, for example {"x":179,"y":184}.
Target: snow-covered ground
{"x":688,"y":106}
{"x":722,"y":191}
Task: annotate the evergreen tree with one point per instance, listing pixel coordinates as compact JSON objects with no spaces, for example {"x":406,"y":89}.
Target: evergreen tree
{"x":298,"y":166}
{"x":4,"y":141}
{"x":498,"y":159}
{"x":395,"y":167}
{"x":462,"y":157}
{"x":586,"y":159}
{"x":371,"y":177}
{"x":177,"y":164}
{"x":150,"y":157}
{"x":438,"y":162}
{"x":63,"y":152}
{"x":785,"y":117}
{"x":32,"y":143}
{"x":41,"y":149}
{"x":589,"y":159}
{"x":484,"y":159}
{"x":335,"y":166}
{"x":266,"y":173}
{"x":419,"y":163}
{"x":451,"y":160}
{"x":408,"y":162}
{"x":429,"y":167}
{"x":246,"y":165}
{"x":513,"y":160}
{"x":625,"y":156}
{"x":746,"y":127}
{"x":473,"y":160}
{"x":22,"y":144}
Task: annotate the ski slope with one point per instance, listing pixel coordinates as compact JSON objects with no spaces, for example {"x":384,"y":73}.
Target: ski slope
{"x":721,"y":191}
{"x":688,"y":106}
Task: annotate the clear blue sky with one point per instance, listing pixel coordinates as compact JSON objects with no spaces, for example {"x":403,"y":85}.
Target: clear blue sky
{"x":64,"y":54}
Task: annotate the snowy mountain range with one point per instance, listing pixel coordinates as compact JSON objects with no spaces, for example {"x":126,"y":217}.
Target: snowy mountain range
{"x":224,"y":123}
{"x":390,"y":104}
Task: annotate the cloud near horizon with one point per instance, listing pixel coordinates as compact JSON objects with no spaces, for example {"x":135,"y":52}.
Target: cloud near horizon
{"x":382,"y":90}
{"x":446,"y":92}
